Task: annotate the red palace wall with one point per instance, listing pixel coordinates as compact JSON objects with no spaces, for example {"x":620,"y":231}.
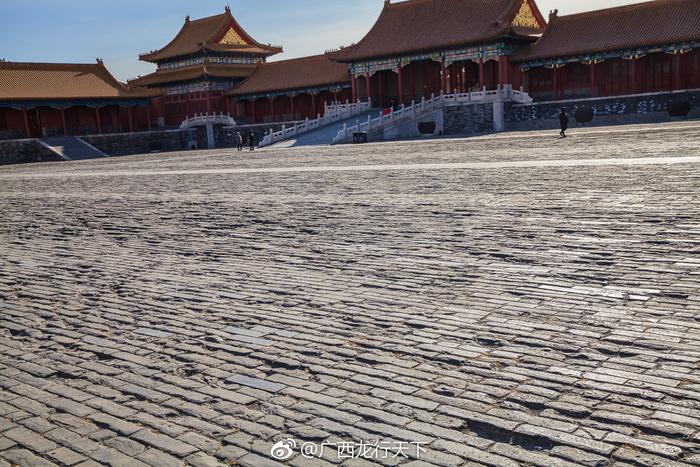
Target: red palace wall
{"x":280,"y":108}
{"x":179,"y":107}
{"x":659,"y":72}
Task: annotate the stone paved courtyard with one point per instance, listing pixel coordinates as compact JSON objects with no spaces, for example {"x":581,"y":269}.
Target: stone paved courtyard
{"x":507,"y":300}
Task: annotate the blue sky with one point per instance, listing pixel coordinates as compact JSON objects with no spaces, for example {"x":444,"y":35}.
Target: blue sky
{"x":117,"y":31}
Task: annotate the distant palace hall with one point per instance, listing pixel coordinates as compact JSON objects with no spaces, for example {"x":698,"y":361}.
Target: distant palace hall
{"x":415,"y":49}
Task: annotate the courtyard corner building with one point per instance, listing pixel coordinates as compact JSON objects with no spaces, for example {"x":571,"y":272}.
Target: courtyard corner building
{"x":208,"y":57}
{"x":41,"y":99}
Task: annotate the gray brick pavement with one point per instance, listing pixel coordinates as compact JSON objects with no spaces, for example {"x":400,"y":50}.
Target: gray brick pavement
{"x":502,"y":315}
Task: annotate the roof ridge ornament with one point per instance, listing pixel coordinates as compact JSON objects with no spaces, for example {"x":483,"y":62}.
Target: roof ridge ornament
{"x":553,"y":14}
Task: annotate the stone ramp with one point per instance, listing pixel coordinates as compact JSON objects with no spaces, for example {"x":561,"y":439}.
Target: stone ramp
{"x":72,"y":148}
{"x":324,"y":135}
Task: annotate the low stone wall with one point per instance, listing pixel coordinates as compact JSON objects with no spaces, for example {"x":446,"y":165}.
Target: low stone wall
{"x":473,"y":119}
{"x":426,"y":126}
{"x":125,"y":144}
{"x":25,"y":151}
{"x":622,"y":110}
{"x":259,"y":130}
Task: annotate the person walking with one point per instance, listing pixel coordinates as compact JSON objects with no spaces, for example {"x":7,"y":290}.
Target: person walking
{"x":251,"y":141}
{"x":239,"y":141}
{"x":563,"y":122}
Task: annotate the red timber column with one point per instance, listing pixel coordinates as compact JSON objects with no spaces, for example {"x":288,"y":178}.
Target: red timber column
{"x":482,"y":73}
{"x":412,"y":80}
{"x":63,"y":122}
{"x":97,"y":120}
{"x":353,"y":81}
{"x":632,"y":85}
{"x":399,"y":72}
{"x":503,"y":70}
{"x":555,"y":82}
{"x":594,"y":84}
{"x":677,"y":75}
{"x":369,"y":86}
{"x":272,"y":108}
{"x":208,"y":102}
{"x":291,"y":99}
{"x":25,"y":116}
{"x":380,"y":85}
{"x":443,"y":76}
{"x":148,"y":117}
{"x":314,"y":113}
{"x":131,"y":119}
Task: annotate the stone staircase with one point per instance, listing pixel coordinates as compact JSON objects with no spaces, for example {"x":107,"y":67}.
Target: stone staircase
{"x":334,"y":115}
{"x":323,"y":136}
{"x":71,"y":148}
{"x":389,"y":125}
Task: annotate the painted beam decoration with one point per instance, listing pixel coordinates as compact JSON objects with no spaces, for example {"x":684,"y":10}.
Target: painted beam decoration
{"x":224,"y":60}
{"x":486,"y":52}
{"x":602,"y":56}
{"x":66,"y":104}
{"x":491,"y":51}
{"x":201,"y":86}
{"x":294,"y":92}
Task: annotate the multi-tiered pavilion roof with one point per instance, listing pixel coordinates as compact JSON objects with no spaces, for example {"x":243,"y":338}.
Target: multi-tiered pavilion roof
{"x":415,"y":26}
{"x":219,"y":33}
{"x":212,"y":47}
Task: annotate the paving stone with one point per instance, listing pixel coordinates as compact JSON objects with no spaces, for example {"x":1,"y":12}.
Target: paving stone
{"x":71,"y":407}
{"x":125,"y":445}
{"x":230,"y":453}
{"x":253,"y":460}
{"x":24,"y":458}
{"x":30,"y":439}
{"x":528,"y":457}
{"x":641,"y":458}
{"x":559,"y":437}
{"x":114,"y":458}
{"x":115,"y":424}
{"x":89,"y":463}
{"x":112,"y":408}
{"x":649,"y":446}
{"x":6,"y":443}
{"x":255,"y":383}
{"x":164,"y":443}
{"x":199,"y":459}
{"x":207,"y":445}
{"x":156,"y":458}
{"x":578,"y":456}
{"x":73,"y":441}
{"x":65,"y":456}
{"x":473,"y":454}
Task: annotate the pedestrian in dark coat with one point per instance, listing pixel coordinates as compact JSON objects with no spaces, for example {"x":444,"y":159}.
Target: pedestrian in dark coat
{"x":251,"y":142}
{"x":564,"y":122}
